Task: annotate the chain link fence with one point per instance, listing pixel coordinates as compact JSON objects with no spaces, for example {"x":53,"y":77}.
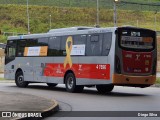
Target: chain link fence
{"x":148,"y":5}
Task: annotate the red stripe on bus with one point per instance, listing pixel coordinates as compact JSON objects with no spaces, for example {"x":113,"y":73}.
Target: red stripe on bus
{"x":91,"y":71}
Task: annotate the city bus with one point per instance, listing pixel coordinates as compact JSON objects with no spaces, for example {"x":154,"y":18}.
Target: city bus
{"x":83,"y":57}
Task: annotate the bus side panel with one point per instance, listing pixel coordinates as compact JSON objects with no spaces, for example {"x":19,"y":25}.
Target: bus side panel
{"x":26,"y":64}
{"x":9,"y":70}
{"x":94,"y":72}
{"x":55,"y":71}
{"x":38,"y":66}
{"x":45,"y":69}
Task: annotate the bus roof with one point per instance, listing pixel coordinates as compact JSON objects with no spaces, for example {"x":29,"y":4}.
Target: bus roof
{"x":70,"y":31}
{"x":65,"y":31}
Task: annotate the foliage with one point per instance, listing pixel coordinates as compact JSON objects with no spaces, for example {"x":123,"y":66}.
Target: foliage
{"x":13,"y":18}
{"x":3,"y":39}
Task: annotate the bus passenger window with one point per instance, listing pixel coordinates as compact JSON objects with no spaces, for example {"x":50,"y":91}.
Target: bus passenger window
{"x":42,"y":42}
{"x":54,"y":46}
{"x":11,"y":52}
{"x":79,"y":39}
{"x":94,"y":45}
{"x":63,"y":45}
{"x":107,"y":41}
{"x":32,"y":43}
{"x":11,"y":49}
{"x":21,"y":47}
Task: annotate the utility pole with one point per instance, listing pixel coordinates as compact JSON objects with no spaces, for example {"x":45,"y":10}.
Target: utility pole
{"x":97,"y":13}
{"x":137,"y":23}
{"x":155,"y":20}
{"x":115,"y":12}
{"x":50,"y":22}
{"x":28,"y":18}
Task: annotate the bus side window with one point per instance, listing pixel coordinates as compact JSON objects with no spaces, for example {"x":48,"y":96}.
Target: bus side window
{"x":107,"y":41}
{"x":32,"y":43}
{"x":21,"y":47}
{"x":10,"y":51}
{"x":94,"y":45}
{"x":63,"y":45}
{"x":42,"y":42}
{"x":54,"y":46}
{"x":79,"y":39}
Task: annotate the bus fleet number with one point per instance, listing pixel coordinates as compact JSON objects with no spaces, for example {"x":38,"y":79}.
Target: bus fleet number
{"x":101,"y":67}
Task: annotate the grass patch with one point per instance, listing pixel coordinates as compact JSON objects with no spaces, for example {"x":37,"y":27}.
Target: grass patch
{"x":158,"y":80}
{"x":2,"y":78}
{"x":13,"y":18}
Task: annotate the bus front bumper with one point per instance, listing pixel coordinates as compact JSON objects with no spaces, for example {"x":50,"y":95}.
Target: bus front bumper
{"x":119,"y":79}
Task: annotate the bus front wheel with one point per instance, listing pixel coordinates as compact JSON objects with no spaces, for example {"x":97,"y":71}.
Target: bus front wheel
{"x":104,"y":88}
{"x":70,"y":83}
{"x":19,"y":80}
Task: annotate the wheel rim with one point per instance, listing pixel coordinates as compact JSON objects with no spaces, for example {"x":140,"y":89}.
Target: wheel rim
{"x":70,"y":83}
{"x":20,"y":79}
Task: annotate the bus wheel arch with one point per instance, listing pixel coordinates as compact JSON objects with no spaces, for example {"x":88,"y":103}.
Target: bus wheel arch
{"x":70,"y":82}
{"x":18,"y":70}
{"x":19,"y":79}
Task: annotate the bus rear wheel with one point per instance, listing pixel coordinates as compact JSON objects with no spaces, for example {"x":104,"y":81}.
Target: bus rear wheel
{"x":19,"y":80}
{"x":102,"y":89}
{"x":51,"y":84}
{"x":70,"y":83}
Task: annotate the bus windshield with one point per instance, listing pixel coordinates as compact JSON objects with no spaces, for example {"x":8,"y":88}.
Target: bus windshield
{"x":136,"y":39}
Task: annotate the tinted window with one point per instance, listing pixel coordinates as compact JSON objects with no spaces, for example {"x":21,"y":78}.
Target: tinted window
{"x":63,"y":45}
{"x":107,"y":41}
{"x":79,"y":39}
{"x":32,"y":42}
{"x":42,"y":42}
{"x":94,"y":45}
{"x":54,"y":46}
{"x":11,"y":48}
{"x":10,"y":51}
{"x":20,"y":47}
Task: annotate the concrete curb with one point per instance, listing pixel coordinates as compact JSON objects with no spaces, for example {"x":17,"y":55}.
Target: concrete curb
{"x":19,"y":103}
{"x":7,"y":81}
{"x":45,"y":113}
{"x":51,"y":110}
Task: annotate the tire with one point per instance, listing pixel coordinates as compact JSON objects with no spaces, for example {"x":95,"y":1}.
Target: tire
{"x":51,"y":84}
{"x":19,"y":80}
{"x":102,"y":89}
{"x":70,"y":83}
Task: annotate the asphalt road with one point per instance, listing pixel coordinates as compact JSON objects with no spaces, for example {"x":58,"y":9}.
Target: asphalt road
{"x":121,"y":99}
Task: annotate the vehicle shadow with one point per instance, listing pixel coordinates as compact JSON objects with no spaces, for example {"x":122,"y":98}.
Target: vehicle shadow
{"x":88,"y":91}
